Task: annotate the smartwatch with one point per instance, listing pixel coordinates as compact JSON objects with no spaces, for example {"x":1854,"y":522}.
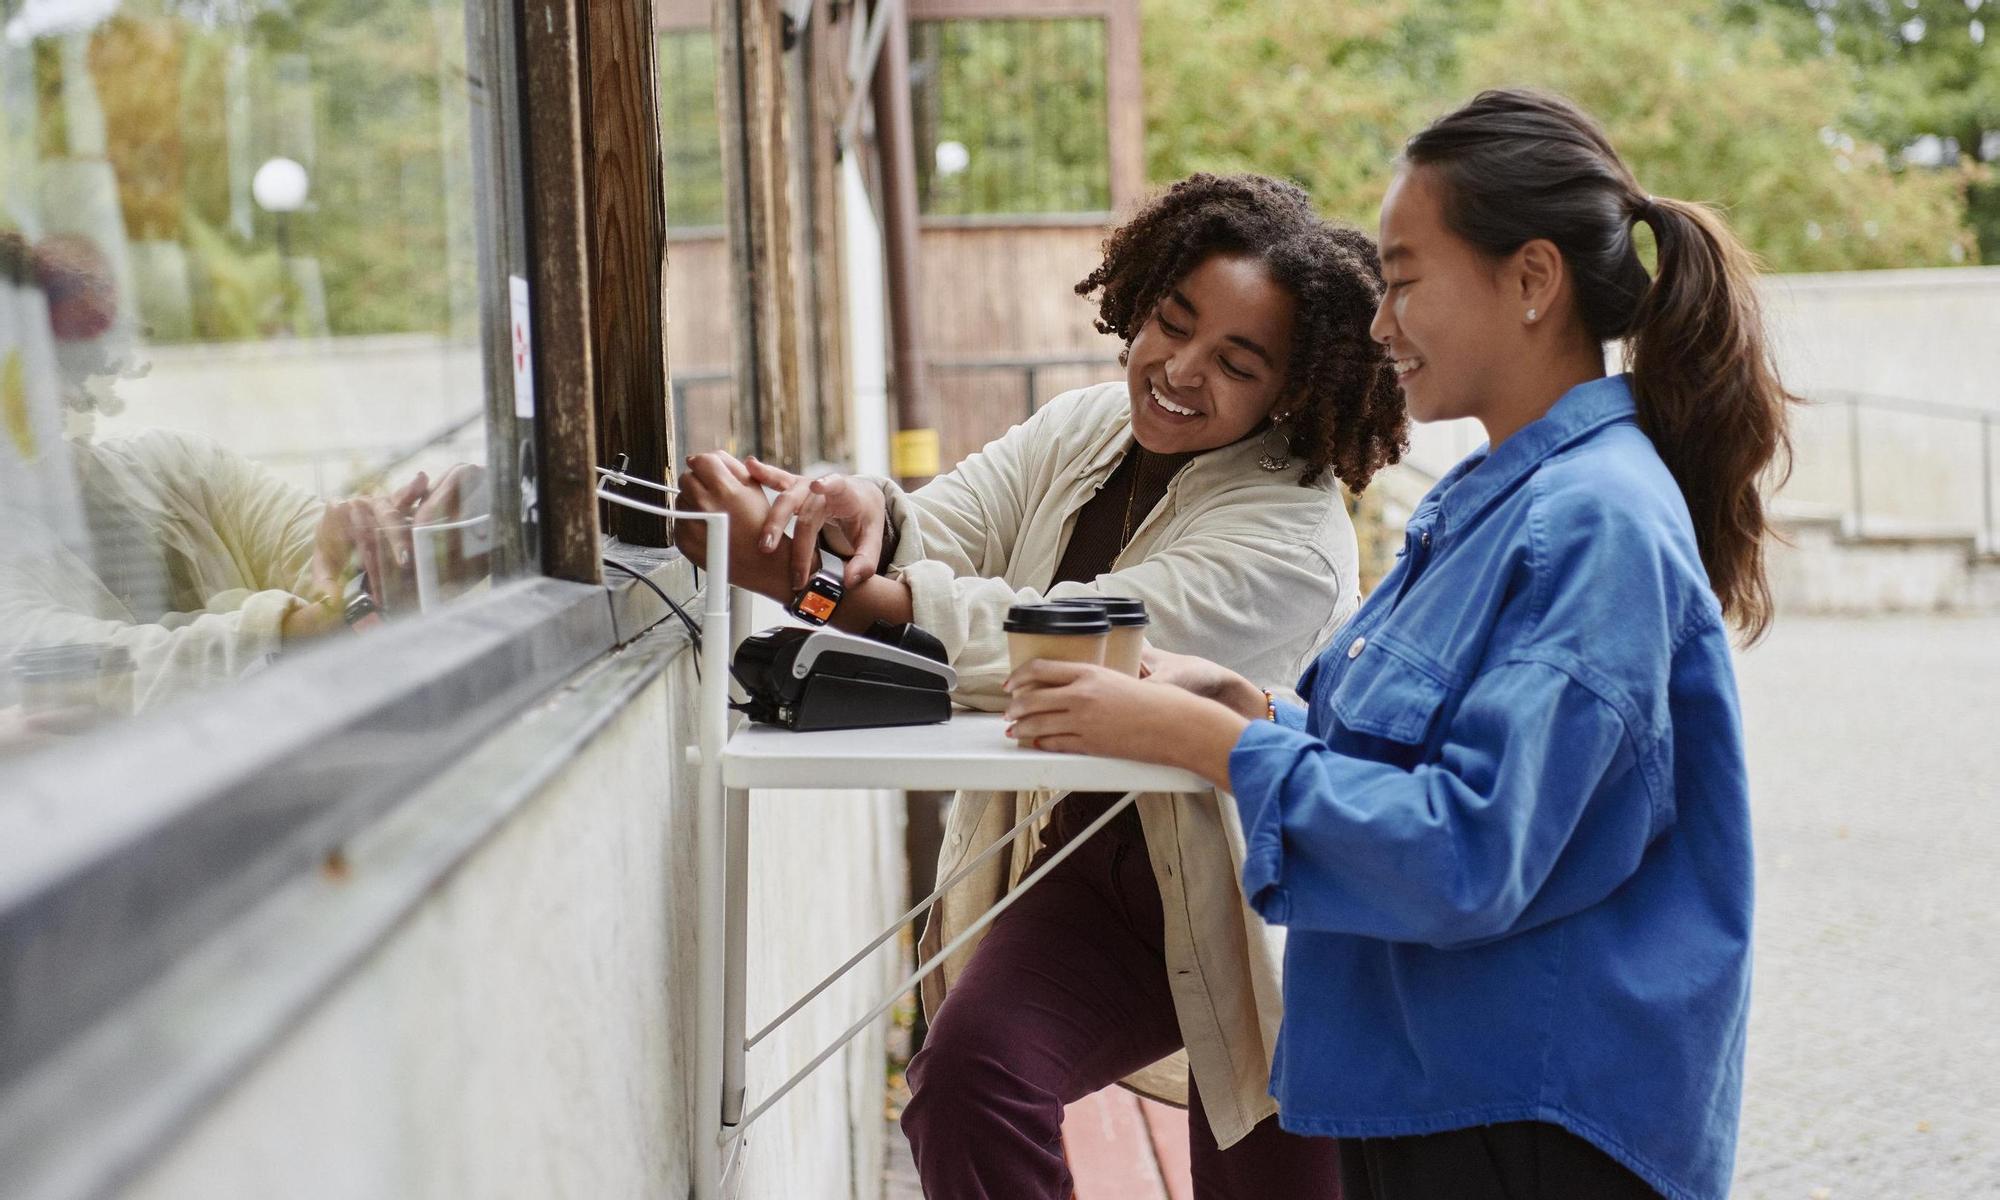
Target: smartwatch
{"x":816,"y":603}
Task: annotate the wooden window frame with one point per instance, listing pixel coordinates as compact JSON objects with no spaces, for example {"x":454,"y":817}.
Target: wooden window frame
{"x":125,"y":854}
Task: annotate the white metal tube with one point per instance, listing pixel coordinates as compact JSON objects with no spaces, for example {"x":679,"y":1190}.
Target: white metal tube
{"x":736,"y":939}
{"x":986,"y":918}
{"x":735,"y":913}
{"x":1003,"y":842}
{"x":712,"y":730}
{"x":714,"y":717}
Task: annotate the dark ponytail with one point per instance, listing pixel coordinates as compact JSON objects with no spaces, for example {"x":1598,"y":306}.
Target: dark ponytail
{"x":1518,"y":165}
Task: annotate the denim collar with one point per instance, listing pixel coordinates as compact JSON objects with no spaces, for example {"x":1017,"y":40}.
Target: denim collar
{"x":1468,"y":488}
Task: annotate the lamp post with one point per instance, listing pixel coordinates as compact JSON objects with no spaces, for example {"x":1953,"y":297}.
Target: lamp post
{"x":279,"y":188}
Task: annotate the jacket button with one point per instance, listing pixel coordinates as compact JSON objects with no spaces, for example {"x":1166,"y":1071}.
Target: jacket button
{"x":1426,"y":539}
{"x":1355,"y":648}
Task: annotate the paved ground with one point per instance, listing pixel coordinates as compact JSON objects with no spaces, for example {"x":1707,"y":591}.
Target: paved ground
{"x":1875,"y":1039}
{"x":1874,"y":1066}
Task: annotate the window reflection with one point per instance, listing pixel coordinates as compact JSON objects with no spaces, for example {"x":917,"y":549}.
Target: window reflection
{"x":241,"y":392}
{"x":1010,"y":116}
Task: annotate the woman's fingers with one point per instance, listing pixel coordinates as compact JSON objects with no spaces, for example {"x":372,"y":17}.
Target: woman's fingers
{"x":412,"y":492}
{"x":764,"y":473}
{"x":784,"y":506}
{"x":1047,"y":672}
{"x":1047,"y":731}
{"x":867,"y":555}
{"x":717,"y":468}
{"x":805,"y":539}
{"x":361,"y":535}
{"x":693,"y":492}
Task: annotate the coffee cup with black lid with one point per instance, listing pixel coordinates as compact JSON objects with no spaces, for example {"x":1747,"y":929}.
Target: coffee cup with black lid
{"x":1127,"y":640}
{"x":1063,"y":632}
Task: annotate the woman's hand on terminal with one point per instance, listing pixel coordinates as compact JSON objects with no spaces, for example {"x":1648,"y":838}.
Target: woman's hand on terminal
{"x":852,"y":513}
{"x":1084,"y":709}
{"x":1192,"y":673}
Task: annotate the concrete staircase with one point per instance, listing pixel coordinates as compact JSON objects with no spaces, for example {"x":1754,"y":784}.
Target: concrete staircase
{"x":1825,"y":566}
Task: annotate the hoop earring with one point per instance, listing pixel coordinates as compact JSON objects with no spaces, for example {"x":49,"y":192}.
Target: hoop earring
{"x":1277,"y":447}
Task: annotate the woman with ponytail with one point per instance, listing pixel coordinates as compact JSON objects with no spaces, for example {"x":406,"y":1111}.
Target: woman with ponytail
{"x":1509,"y":831}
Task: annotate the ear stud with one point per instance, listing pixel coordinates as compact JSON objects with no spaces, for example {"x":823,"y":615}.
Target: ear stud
{"x":1531,"y":314}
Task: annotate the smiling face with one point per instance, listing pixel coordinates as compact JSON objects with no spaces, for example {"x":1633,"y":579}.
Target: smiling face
{"x":1209,"y":365}
{"x":1449,"y":317}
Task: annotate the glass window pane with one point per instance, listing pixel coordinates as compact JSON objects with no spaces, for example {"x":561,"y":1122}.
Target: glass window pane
{"x":1010,"y":116}
{"x":689,"y":129}
{"x":701,"y":334}
{"x":242,"y":383}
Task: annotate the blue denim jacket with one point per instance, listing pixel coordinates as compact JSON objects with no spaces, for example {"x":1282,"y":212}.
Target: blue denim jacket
{"x":1510,"y":833}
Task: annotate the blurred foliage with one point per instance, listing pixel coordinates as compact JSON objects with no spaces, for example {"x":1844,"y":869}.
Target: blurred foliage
{"x":370,"y":97}
{"x":690,"y":133}
{"x":1927,"y":77}
{"x":242,"y":290}
{"x":1722,"y":102}
{"x":1027,"y":101}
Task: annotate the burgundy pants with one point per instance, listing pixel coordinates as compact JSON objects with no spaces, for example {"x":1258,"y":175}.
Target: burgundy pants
{"x":1066,"y":994}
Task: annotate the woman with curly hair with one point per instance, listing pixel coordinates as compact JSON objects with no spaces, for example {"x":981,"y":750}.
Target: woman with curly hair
{"x":1204,"y":484}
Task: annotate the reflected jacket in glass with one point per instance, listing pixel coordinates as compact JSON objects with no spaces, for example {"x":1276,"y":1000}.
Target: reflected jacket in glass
{"x":1510,"y":834}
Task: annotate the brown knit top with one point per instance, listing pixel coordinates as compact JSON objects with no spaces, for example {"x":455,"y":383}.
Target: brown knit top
{"x":1103,"y":526}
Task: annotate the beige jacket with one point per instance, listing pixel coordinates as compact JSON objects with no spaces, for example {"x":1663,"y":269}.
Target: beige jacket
{"x":218,"y":551}
{"x":1237,"y":564}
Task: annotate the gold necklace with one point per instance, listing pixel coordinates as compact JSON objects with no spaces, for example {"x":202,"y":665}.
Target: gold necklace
{"x":1131,"y":494}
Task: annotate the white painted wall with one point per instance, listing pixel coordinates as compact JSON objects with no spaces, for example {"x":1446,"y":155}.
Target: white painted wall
{"x":1912,"y":335}
{"x":527,"y":1031}
{"x":1921,"y":335}
{"x":867,"y":323}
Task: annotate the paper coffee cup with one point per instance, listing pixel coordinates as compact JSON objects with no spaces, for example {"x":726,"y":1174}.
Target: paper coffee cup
{"x":1064,"y":632}
{"x":1127,"y":640}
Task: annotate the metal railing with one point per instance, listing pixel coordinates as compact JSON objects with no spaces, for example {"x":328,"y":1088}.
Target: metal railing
{"x":1030,"y":368}
{"x":1855,"y":519}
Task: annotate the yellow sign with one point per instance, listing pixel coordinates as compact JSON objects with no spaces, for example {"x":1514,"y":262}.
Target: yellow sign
{"x":913,"y":452}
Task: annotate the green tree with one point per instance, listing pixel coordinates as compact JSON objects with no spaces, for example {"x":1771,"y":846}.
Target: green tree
{"x":1706,"y":107}
{"x":1930,"y":84}
{"x":1320,"y":93}
{"x":1706,"y":101}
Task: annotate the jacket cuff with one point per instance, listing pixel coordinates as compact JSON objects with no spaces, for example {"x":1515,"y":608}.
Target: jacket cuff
{"x":1259,"y":766}
{"x":260,"y":626}
{"x":933,"y":601}
{"x":901,"y":542}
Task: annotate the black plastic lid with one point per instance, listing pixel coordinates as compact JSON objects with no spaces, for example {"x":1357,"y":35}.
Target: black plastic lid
{"x":1125,"y":611}
{"x":1057,"y":618}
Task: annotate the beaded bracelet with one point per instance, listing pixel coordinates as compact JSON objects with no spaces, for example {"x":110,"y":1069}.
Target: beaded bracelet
{"x":1270,"y":705}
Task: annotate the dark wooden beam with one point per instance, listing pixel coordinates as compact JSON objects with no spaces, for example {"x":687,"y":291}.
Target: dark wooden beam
{"x":559,"y":278}
{"x":757,"y":157}
{"x":628,"y":246}
{"x":825,"y":296}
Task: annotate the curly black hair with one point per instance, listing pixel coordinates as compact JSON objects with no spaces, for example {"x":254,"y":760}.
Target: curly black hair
{"x":1349,"y":413}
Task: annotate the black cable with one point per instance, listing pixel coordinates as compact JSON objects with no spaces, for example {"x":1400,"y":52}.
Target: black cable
{"x":694,"y":629}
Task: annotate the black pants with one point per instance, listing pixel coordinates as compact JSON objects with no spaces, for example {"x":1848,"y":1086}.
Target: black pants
{"x":1517,"y":1160}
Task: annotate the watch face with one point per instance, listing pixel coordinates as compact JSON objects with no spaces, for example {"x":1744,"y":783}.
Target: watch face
{"x":814,"y":606}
